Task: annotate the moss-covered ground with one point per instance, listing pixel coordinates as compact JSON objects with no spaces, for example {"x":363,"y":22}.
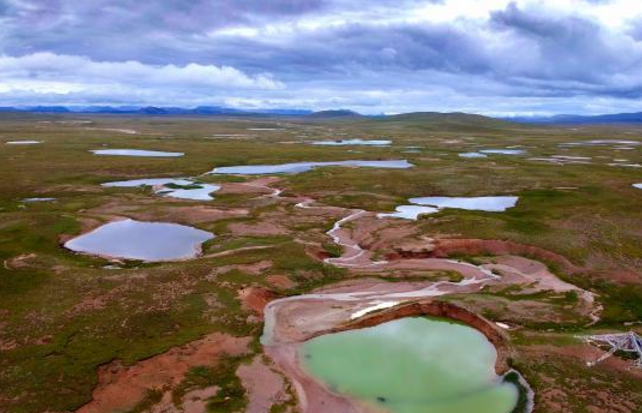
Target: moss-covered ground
{"x":63,"y":315}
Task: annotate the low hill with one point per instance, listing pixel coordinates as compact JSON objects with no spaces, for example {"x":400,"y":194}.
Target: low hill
{"x":334,"y":114}
{"x":454,"y":121}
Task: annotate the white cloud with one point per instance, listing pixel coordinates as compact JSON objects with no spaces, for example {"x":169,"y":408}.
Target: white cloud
{"x":60,"y":74}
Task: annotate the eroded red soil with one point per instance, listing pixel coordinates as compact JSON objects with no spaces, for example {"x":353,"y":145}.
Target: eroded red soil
{"x":121,"y":387}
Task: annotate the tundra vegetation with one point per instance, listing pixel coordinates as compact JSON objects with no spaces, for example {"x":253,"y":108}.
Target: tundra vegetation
{"x":68,"y":321}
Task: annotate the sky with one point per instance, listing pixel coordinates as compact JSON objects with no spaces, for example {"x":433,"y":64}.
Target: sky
{"x":494,"y":57}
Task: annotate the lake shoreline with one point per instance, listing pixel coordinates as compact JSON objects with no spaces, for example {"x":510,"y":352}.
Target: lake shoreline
{"x":315,"y":397}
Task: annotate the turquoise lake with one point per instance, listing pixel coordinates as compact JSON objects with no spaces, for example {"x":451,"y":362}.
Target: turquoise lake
{"x":412,"y":365}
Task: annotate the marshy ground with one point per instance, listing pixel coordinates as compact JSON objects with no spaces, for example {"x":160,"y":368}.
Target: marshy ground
{"x":85,"y":333}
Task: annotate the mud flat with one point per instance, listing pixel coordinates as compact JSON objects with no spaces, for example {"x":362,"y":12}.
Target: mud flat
{"x":362,"y":303}
{"x":146,"y":241}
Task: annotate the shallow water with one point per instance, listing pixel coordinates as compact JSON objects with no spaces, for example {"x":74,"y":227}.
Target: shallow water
{"x":202,"y":193}
{"x":482,"y":203}
{"x":132,"y":183}
{"x":572,"y":158}
{"x":298,"y":167}
{"x":626,"y":165}
{"x":638,"y":186}
{"x":30,"y":200}
{"x":472,"y":155}
{"x":409,"y":212}
{"x":23,"y":142}
{"x":503,"y":151}
{"x":599,"y":142}
{"x":146,"y":241}
{"x":372,"y":142}
{"x":195,"y":190}
{"x":412,"y":365}
{"x":137,"y":152}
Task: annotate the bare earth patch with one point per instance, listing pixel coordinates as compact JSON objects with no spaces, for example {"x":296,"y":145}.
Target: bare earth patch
{"x":255,"y":268}
{"x":265,"y":387}
{"x":257,"y":229}
{"x":121,"y":387}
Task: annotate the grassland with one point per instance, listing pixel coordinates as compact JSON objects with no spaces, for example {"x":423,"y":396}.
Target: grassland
{"x":63,"y":315}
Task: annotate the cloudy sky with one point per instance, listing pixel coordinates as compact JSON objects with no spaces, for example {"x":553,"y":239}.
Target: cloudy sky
{"x":374,"y":56}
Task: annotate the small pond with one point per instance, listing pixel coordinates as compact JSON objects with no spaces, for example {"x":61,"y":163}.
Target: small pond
{"x":146,"y":241}
{"x":411,"y":365}
{"x":298,"y":167}
{"x":23,"y":142}
{"x":348,"y":142}
{"x":472,"y":155}
{"x":626,"y":165}
{"x":137,"y":152}
{"x":638,"y":186}
{"x":503,"y":151}
{"x":602,"y":142}
{"x":180,"y":188}
{"x":31,"y":200}
{"x":433,"y":204}
{"x":409,"y":212}
{"x":481,"y":203}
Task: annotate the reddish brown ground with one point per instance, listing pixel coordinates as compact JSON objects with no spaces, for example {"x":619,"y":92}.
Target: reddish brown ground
{"x":121,"y":387}
{"x":257,"y":229}
{"x":265,"y":387}
{"x":474,"y":247}
{"x":256,"y":298}
{"x":280,"y":281}
{"x":312,"y":396}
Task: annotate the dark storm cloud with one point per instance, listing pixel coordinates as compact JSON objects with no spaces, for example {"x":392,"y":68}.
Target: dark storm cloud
{"x":570,"y":48}
{"x":552,"y":55}
{"x":129,"y":29}
{"x":163,"y":31}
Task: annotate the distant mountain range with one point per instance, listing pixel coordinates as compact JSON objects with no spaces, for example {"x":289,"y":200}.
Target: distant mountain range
{"x":337,"y":113}
{"x":615,"y":118}
{"x":154,"y":110}
{"x":454,"y":119}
